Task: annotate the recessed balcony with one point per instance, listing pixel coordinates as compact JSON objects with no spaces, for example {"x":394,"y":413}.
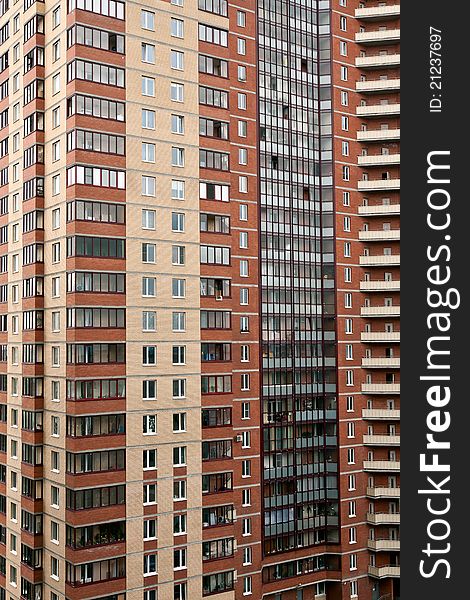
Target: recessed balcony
{"x":382,"y":465}
{"x":380,"y":260}
{"x":378,"y":13}
{"x":383,"y":492}
{"x":381,"y":440}
{"x":383,"y":518}
{"x":384,"y":545}
{"x":380,"y":414}
{"x":380,"y":311}
{"x":378,"y":135}
{"x":382,"y":36}
{"x":378,"y":61}
{"x":378,"y":110}
{"x":378,"y":185}
{"x":378,"y":85}
{"x":384,"y":571}
{"x":380,"y":286}
{"x":380,"y":336}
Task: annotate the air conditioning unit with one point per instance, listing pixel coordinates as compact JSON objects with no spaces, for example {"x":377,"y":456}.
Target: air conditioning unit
{"x":238,"y":438}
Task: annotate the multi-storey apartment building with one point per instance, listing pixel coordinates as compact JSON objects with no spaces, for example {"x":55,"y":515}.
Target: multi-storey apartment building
{"x":199,"y":299}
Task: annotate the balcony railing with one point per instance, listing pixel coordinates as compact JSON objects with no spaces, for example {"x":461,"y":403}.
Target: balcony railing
{"x":380,"y":286}
{"x":381,"y":363}
{"x":384,"y":545}
{"x":383,"y":518}
{"x":378,"y":110}
{"x":383,"y":492}
{"x":378,"y":12}
{"x":377,"y":160}
{"x":380,"y":260}
{"x":380,"y":388}
{"x":380,"y":414}
{"x":382,"y":465}
{"x":378,"y":61}
{"x":384,"y":571}
{"x":382,"y":36}
{"x":380,"y":336}
{"x":378,"y":85}
{"x":378,"y":185}
{"x":380,"y":311}
{"x":381,"y":440}
{"x":378,"y":135}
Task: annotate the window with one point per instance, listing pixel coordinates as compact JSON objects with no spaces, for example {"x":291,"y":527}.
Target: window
{"x":241,"y":46}
{"x":54,"y":532}
{"x":242,"y":101}
{"x":177,"y":157}
{"x":150,"y":565}
{"x":241,"y":18}
{"x":148,"y":152}
{"x":149,"y":389}
{"x":149,"y":355}
{"x":148,"y":219}
{"x":247,"y":585}
{"x":177,"y":124}
{"x":150,"y":529}
{"x":148,"y":286}
{"x":213,"y":35}
{"x":54,"y":496}
{"x":245,"y":382}
{"x":148,"y":86}
{"x":147,"y":20}
{"x":178,"y":321}
{"x":177,"y":189}
{"x":179,"y":490}
{"x":179,"y":422}
{"x":179,"y":388}
{"x":213,"y":66}
{"x":177,"y":92}
{"x":177,"y":28}
{"x":177,"y":222}
{"x":179,"y":559}
{"x":149,"y":424}
{"x":344,"y":98}
{"x":178,"y":255}
{"x":148,"y":55}
{"x":177,"y":60}
{"x":148,"y":119}
{"x":148,"y":185}
{"x":150,"y":494}
{"x":149,"y":460}
{"x":178,"y":287}
{"x":148,"y":253}
{"x":343,"y":23}
{"x":179,"y":524}
{"x":180,"y":591}
{"x":149,"y":320}
{"x":179,"y":355}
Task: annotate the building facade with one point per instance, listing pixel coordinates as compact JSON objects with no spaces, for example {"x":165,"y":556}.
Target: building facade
{"x":199,"y":281}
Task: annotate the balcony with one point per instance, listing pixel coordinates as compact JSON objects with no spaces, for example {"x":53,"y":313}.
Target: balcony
{"x":380,"y":286}
{"x":380,"y":388}
{"x":378,"y":110}
{"x":384,"y":36}
{"x":378,"y":61}
{"x":378,"y":13}
{"x":383,"y":518}
{"x":392,"y":466}
{"x":380,"y":336}
{"x":381,"y":363}
{"x":380,"y":235}
{"x":378,"y":185}
{"x":384,"y":545}
{"x":380,"y":260}
{"x":385,"y":571}
{"x":380,"y":414}
{"x":383,"y":492}
{"x":381,"y":440}
{"x":380,"y":311}
{"x":378,"y":85}
{"x":379,"y":210}
{"x":378,"y":160}
{"x":378,"y":135}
